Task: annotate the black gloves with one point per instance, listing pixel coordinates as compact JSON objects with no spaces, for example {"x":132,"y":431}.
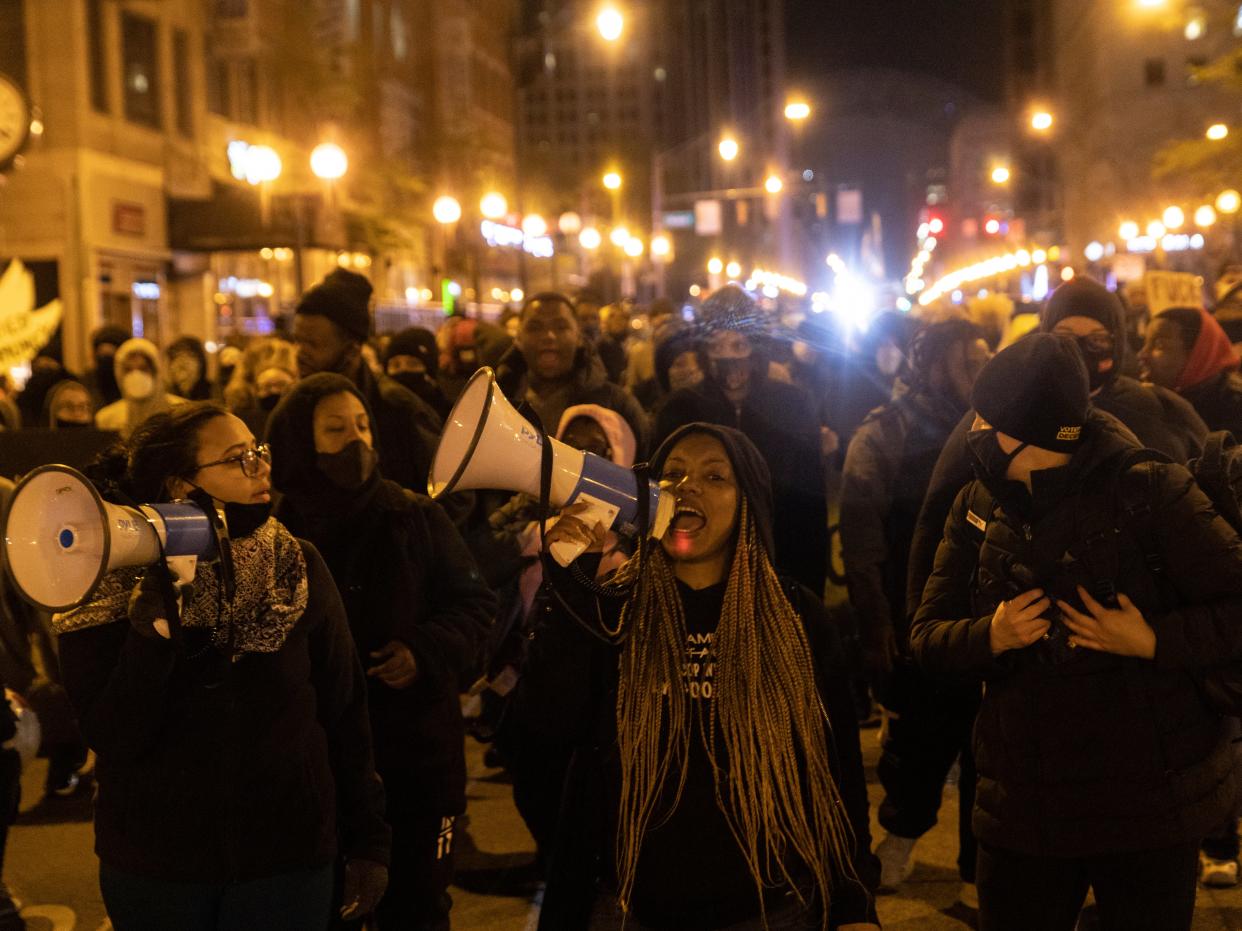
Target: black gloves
{"x":148,"y":611}
{"x":365,"y":882}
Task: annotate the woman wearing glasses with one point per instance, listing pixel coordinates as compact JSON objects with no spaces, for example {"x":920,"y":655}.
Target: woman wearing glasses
{"x":233,"y":749}
{"x":418,"y":609}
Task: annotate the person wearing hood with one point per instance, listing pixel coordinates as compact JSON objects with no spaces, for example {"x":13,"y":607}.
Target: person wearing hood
{"x":734,"y":798}
{"x":1094,"y":318}
{"x":887,"y":470}
{"x":1188,"y":352}
{"x":677,"y":364}
{"x":779,"y":418}
{"x":330,"y":325}
{"x":141,"y":377}
{"x":229,"y":719}
{"x":187,"y":369}
{"x":68,"y":406}
{"x":412,"y":359}
{"x":552,"y":368}
{"x":101,"y":379}
{"x":417,"y":607}
{"x":1100,"y":762}
{"x":538,"y":766}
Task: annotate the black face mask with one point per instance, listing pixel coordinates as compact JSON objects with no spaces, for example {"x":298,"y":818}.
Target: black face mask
{"x":62,"y":424}
{"x":1097,"y":350}
{"x":244,"y":519}
{"x":349,"y":469}
{"x":991,"y":463}
{"x":419,"y":382}
{"x":268,"y":402}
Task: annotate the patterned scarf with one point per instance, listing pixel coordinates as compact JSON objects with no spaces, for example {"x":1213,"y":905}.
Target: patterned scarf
{"x":270,"y":596}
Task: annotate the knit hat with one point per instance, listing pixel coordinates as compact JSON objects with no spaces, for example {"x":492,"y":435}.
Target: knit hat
{"x":109,"y":333}
{"x":1036,"y":391}
{"x":419,"y":343}
{"x":1083,"y":297}
{"x":344,"y":298}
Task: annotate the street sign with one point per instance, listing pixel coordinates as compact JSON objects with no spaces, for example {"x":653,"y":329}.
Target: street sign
{"x":708,"y":218}
{"x":679,"y":220}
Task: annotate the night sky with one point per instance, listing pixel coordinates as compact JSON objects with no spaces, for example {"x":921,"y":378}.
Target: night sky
{"x":956,"y":40}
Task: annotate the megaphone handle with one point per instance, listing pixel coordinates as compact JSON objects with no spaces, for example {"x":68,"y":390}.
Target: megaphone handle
{"x":564,"y":551}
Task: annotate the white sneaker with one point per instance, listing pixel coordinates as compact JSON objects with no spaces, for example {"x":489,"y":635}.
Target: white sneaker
{"x":969,"y":896}
{"x":1217,"y":874}
{"x":896,"y":864}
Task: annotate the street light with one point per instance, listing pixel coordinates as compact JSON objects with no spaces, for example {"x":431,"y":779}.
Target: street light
{"x":1151,"y":4}
{"x":1205,"y":216}
{"x":610,"y":23}
{"x":1041,"y":121}
{"x":1174,"y":217}
{"x":1217,"y":131}
{"x":1156,"y":229}
{"x":634,"y":247}
{"x":329,"y":161}
{"x":612,"y":181}
{"x":619,"y":236}
{"x":1228,"y":201}
{"x":262,"y":164}
{"x":569,"y":223}
{"x":729,"y":148}
{"x":534,"y":225}
{"x":773,"y":185}
{"x":714,"y":266}
{"x":1128,"y":230}
{"x":1000,"y":174}
{"x":494,"y":206}
{"x":446,"y":210}
{"x":661,"y":246}
{"x":733,"y":270}
{"x":590,"y":239}
{"x":797,"y":110}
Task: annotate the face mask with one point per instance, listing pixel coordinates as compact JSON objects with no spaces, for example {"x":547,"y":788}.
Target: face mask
{"x":268,"y":402}
{"x":990,"y":461}
{"x":244,"y":519}
{"x":731,"y":374}
{"x":137,"y":385}
{"x":418,"y":382}
{"x":62,"y":424}
{"x":351,"y":468}
{"x":185,"y":371}
{"x":1096,"y":352}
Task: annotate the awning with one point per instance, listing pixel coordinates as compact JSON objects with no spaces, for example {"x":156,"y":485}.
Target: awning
{"x":231,"y":220}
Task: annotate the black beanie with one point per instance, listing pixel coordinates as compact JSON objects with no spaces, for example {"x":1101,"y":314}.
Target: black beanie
{"x":344,"y":298}
{"x":1036,"y":391}
{"x":419,"y":343}
{"x":109,"y":333}
{"x":1083,"y":297}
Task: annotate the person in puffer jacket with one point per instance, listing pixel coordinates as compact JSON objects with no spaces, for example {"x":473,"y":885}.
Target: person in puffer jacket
{"x":1100,"y":762}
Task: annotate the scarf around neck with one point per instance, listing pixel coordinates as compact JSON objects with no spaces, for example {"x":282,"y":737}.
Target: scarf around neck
{"x":271,"y":595}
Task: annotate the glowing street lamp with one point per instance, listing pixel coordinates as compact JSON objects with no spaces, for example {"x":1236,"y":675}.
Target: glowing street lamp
{"x":1205,"y":216}
{"x":446,"y":210}
{"x":1228,"y":201}
{"x":1128,"y":230}
{"x":1000,"y":174}
{"x":612,"y":181}
{"x":619,"y":236}
{"x":714,"y":266}
{"x":634,"y":247}
{"x":534,"y":225}
{"x":733,"y":270}
{"x":569,"y":223}
{"x":1151,"y":4}
{"x":1217,"y":131}
{"x":661,"y":246}
{"x":329,"y":161}
{"x":262,"y":164}
{"x":610,"y":23}
{"x":1174,"y":217}
{"x":494,"y":206}
{"x":797,"y":110}
{"x":773,"y":185}
{"x":729,"y":148}
{"x":1156,"y":229}
{"x":1041,"y":121}
{"x":590,"y":239}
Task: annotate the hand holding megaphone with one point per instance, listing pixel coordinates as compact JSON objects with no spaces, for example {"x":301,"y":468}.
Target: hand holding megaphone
{"x":577,"y":529}
{"x":148,"y":606}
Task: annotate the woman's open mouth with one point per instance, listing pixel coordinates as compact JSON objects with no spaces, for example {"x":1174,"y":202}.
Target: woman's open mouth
{"x":688,"y":519}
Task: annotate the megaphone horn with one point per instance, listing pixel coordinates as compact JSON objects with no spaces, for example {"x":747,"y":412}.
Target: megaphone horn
{"x":61,"y":536}
{"x":486,"y":443}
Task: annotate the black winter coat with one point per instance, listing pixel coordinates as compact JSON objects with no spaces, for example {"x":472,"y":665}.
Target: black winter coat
{"x":1219,"y":402}
{"x":1079,"y":752}
{"x":780,"y":419}
{"x":213,"y":781}
{"x":405,"y":574}
{"x":406,"y":428}
{"x":568,"y":693}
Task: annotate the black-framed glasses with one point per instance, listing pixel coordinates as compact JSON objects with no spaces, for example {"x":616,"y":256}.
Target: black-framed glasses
{"x":249,"y":460}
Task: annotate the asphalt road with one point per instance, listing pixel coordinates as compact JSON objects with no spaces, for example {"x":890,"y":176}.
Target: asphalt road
{"x":50,"y":866}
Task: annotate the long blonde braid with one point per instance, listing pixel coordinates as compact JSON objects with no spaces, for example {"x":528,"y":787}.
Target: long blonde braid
{"x":781,"y":798}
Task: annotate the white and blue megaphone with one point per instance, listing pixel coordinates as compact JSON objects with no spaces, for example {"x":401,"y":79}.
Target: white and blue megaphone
{"x":61,"y":537}
{"x":488,"y":444}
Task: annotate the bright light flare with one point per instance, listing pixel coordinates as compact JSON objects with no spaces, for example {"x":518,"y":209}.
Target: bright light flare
{"x":1217,"y":131}
{"x":534,"y":225}
{"x":494,"y":206}
{"x":715,"y":266}
{"x":446,"y":209}
{"x":610,"y":23}
{"x":612,"y":181}
{"x":729,"y":148}
{"x":773,"y":184}
{"x":797,"y":110}
{"x":1041,"y":121}
{"x":329,"y":161}
{"x":1205,"y":216}
{"x":1174,"y":218}
{"x":1000,"y":174}
{"x":1228,"y":201}
{"x":590,"y":239}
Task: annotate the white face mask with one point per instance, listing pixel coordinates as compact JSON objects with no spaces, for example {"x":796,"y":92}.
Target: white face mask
{"x":137,"y":385}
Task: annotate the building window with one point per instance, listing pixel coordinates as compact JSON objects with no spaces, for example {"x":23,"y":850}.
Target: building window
{"x":95,"y":51}
{"x":181,"y":75}
{"x":13,"y":39}
{"x":1153,"y":72}
{"x":139,"y":50}
{"x":219,"y":100}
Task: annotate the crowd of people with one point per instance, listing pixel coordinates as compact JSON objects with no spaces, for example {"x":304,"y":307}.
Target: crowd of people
{"x":1036,"y":533}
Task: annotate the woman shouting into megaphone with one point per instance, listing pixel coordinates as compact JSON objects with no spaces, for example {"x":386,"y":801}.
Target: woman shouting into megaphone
{"x":717,"y":781}
{"x":233,"y":750}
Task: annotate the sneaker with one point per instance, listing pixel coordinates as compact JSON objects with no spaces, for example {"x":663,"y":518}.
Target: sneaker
{"x":1217,"y":874}
{"x":969,"y":896}
{"x":896,"y":864}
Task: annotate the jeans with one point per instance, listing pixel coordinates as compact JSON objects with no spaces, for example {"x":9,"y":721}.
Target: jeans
{"x":1149,"y":890}
{"x":298,"y":901}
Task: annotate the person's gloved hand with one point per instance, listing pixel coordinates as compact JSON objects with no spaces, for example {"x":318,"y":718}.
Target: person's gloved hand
{"x":147,"y":611}
{"x":365,"y":882}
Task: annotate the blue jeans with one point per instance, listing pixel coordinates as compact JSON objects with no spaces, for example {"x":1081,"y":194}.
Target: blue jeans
{"x":299,"y":901}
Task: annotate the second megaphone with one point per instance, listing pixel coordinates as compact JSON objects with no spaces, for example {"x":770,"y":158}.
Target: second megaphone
{"x":488,"y":444}
{"x":61,"y":537}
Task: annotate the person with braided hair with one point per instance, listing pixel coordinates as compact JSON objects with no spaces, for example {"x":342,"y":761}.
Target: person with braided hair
{"x":717,"y":781}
